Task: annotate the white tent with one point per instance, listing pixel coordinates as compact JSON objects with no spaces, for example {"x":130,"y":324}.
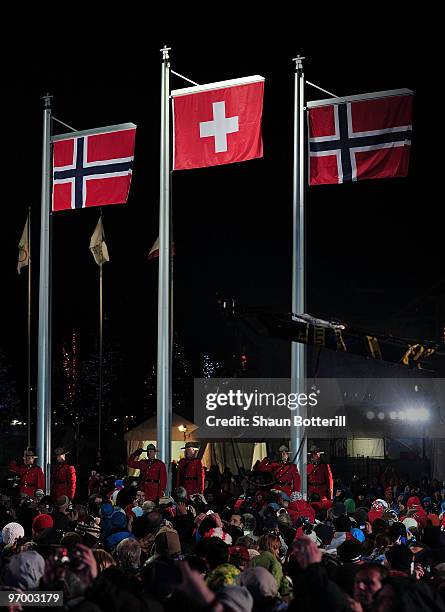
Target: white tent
{"x":227,"y":453}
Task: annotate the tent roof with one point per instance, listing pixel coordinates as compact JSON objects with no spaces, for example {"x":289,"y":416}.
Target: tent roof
{"x":147,"y":430}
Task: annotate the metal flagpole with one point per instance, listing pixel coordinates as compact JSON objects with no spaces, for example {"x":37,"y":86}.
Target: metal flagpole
{"x":44,"y":340}
{"x":29,"y":326}
{"x":99,"y":441}
{"x":164,"y":308}
{"x":298,"y":350}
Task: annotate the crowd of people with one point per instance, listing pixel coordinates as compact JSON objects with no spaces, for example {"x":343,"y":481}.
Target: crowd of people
{"x":224,"y":542}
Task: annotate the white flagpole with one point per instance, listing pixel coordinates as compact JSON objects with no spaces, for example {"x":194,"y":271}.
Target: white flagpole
{"x":44,"y":341}
{"x":101,"y":319}
{"x":29,"y":327}
{"x":164,"y":407}
{"x":298,"y":356}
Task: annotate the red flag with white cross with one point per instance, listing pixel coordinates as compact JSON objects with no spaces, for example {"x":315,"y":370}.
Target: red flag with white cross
{"x":218,"y":123}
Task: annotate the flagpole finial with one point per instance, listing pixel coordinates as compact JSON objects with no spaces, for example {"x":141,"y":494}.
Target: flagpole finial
{"x":47,"y":100}
{"x":164,"y":52}
{"x":298,"y":62}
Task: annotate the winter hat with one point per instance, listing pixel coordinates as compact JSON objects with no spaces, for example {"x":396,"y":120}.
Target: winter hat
{"x":412,"y":502}
{"x":12,"y":532}
{"x":222,"y":575}
{"x":62,"y":502}
{"x":338,"y":509}
{"x":296,"y":496}
{"x":42,"y":521}
{"x":342,"y":523}
{"x":167,"y":542}
{"x":259,"y":582}
{"x":361,"y":516}
{"x":25,"y":570}
{"x":324,"y":532}
{"x":400,"y":557}
{"x":350,"y":506}
{"x":106,"y":510}
{"x":119,"y":520}
{"x":274,"y":506}
{"x":236,"y":598}
{"x":410,"y":523}
{"x":350,"y":551}
{"x":239,"y":552}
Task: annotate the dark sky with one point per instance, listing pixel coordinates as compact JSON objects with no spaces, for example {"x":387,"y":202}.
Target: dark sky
{"x":372,"y":247}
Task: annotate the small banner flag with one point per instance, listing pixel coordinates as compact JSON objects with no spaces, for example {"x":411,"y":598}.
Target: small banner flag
{"x":154,"y":251}
{"x":360,"y":137}
{"x":98,"y":246}
{"x":93,"y":168}
{"x":23,"y":259}
{"x":218,"y":123}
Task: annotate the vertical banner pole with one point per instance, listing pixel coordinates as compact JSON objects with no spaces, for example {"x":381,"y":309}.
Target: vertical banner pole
{"x":298,"y":350}
{"x":164,"y":307}
{"x":99,"y":437}
{"x":29,"y":327}
{"x":44,"y":340}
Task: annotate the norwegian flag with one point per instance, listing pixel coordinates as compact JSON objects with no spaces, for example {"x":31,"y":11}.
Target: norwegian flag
{"x":93,"y":168}
{"x":360,"y":137}
{"x":218,"y":123}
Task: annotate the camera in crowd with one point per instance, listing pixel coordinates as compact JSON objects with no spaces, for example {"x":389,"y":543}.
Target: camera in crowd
{"x":305,"y":523}
{"x":67,"y":558}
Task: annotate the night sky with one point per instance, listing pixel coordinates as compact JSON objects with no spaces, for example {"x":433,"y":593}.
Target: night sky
{"x":373,"y":248}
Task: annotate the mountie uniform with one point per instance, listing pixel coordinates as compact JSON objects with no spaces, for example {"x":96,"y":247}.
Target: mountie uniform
{"x":63,"y":480}
{"x":288,"y":477}
{"x":266,"y":465}
{"x":31,"y":477}
{"x":190,"y":475}
{"x":319,"y":480}
{"x":153,"y":476}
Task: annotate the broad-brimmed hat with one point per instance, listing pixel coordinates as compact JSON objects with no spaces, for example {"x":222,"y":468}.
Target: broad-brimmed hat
{"x":151,"y":447}
{"x":29,"y":453}
{"x":190,"y":445}
{"x":283,"y":448}
{"x":60,"y":451}
{"x":315,"y":449}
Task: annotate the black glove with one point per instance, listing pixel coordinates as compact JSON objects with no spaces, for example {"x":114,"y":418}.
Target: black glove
{"x":138,"y":451}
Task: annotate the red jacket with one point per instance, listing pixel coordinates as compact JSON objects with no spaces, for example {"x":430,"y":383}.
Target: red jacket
{"x":63,"y":480}
{"x":153,"y":476}
{"x":265,"y":465}
{"x":287,"y":477}
{"x":190,"y":475}
{"x":319,"y":480}
{"x":31,"y":477}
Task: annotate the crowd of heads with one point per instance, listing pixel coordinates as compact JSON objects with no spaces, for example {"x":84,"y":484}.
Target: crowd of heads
{"x":378,"y":545}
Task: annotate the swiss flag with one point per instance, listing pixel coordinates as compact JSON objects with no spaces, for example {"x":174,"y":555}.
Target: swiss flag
{"x":93,"y":168}
{"x":218,"y":123}
{"x":362,"y":137}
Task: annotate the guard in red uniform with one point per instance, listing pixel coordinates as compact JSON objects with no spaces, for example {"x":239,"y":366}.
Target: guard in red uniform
{"x":286,"y":474}
{"x":190,"y":473}
{"x":63,"y":477}
{"x":319,"y":475}
{"x":153,"y":473}
{"x":31,"y":475}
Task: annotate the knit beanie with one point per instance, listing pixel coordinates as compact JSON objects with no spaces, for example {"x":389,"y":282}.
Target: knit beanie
{"x":42,"y":521}
{"x":12,"y":532}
